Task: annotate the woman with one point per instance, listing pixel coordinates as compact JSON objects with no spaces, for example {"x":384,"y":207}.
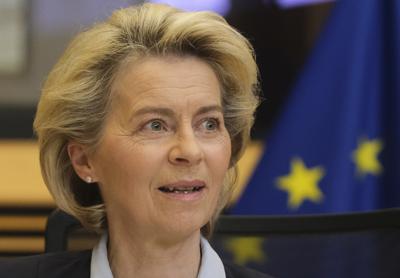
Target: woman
{"x":140,"y":125}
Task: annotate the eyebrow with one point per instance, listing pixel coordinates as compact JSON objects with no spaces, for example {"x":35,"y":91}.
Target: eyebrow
{"x":153,"y":110}
{"x":170,"y":112}
{"x":211,"y":108}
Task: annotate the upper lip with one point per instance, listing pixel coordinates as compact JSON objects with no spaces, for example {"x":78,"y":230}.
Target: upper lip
{"x":185,"y":184}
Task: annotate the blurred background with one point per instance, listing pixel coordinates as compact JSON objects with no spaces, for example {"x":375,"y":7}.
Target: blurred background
{"x":35,"y":33}
{"x":327,"y":134}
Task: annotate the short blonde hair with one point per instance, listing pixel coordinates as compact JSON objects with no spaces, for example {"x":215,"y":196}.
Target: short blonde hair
{"x":75,"y":99}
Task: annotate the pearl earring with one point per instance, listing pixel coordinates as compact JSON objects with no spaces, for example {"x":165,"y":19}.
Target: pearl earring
{"x":89,"y":179}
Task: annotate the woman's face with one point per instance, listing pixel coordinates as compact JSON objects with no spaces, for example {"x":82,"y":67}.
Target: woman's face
{"x":165,"y":149}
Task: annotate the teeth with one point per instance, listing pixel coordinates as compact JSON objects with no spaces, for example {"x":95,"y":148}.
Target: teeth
{"x":185,"y":190}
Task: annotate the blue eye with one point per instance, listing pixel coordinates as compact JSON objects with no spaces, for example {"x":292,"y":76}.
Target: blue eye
{"x":154,"y":125}
{"x":211,"y":124}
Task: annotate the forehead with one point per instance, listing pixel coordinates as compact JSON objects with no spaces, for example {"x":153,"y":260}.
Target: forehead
{"x":167,"y":79}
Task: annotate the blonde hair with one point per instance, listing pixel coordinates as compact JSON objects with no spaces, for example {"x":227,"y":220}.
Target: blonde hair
{"x":76,"y":97}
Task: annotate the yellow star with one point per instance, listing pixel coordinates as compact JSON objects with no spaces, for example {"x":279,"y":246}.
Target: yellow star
{"x":301,"y":183}
{"x":366,"y":156}
{"x":246,"y":249}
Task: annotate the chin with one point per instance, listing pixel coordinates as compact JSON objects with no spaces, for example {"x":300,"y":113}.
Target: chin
{"x":186,"y":225}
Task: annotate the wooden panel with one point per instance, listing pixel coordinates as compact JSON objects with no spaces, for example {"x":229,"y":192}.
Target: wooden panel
{"x":77,"y":243}
{"x":17,"y":244}
{"x":12,"y":223}
{"x":21,"y":183}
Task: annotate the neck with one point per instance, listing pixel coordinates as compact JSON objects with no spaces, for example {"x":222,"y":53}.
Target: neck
{"x":131,"y":255}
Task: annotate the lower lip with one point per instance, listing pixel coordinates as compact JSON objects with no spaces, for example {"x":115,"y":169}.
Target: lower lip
{"x":190,"y":196}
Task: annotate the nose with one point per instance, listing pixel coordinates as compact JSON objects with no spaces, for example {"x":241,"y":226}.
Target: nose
{"x":186,"y":149}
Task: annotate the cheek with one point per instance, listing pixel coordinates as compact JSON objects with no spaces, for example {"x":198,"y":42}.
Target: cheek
{"x":219,"y":158}
{"x":226,"y":151}
{"x":126,"y":167}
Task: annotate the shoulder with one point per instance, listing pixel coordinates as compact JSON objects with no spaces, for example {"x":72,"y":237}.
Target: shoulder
{"x":57,"y":265}
{"x":236,"y":271}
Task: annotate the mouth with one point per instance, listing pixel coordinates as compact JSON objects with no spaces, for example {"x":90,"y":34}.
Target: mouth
{"x":183,"y":187}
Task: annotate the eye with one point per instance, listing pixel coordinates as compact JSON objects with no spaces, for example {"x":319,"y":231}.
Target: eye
{"x":211,"y":124}
{"x":155,"y":125}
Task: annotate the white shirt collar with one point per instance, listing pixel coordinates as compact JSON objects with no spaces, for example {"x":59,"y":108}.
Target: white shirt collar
{"x":211,"y":264}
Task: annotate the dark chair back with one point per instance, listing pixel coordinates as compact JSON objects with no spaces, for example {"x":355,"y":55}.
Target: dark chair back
{"x":364,"y":244}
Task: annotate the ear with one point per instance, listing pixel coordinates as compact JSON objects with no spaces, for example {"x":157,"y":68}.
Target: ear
{"x":78,"y":155}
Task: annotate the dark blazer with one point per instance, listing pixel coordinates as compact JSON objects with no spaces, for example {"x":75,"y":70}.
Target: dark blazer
{"x":77,"y":265}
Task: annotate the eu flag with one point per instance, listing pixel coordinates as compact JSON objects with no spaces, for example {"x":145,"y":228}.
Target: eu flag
{"x":336,"y":146}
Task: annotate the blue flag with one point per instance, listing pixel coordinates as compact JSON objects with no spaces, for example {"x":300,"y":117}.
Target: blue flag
{"x":336,"y":146}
